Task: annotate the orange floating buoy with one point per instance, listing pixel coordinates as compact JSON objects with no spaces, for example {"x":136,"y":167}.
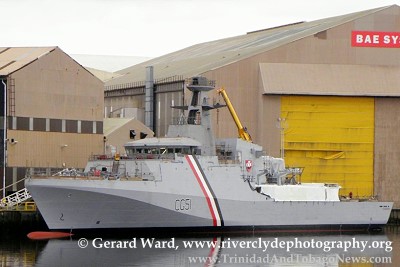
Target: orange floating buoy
{"x":47,"y":235}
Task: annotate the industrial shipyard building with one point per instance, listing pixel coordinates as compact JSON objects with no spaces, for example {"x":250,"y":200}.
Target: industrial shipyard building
{"x":54,"y":110}
{"x":324,"y":94}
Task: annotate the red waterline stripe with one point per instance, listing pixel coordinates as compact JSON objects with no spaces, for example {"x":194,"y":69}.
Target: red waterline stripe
{"x":203,"y":189}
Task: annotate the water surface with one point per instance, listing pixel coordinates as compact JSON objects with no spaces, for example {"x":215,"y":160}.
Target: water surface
{"x":233,"y":249}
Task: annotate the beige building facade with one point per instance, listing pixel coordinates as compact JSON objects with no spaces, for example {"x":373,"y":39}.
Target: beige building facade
{"x":54,"y":110}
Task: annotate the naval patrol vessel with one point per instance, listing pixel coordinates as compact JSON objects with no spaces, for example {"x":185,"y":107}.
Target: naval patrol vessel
{"x":191,"y":179}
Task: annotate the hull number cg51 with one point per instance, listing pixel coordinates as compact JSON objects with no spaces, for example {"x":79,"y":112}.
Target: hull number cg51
{"x":183,"y":204}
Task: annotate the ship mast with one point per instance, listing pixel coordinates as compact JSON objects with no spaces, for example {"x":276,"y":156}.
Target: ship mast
{"x":198,"y":122}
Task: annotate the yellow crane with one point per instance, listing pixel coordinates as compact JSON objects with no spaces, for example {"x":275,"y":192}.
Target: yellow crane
{"x":243,"y":134}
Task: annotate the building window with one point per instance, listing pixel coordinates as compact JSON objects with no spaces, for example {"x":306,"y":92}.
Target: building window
{"x":71,"y":126}
{"x":39,"y":124}
{"x":87,"y":127}
{"x":23,"y":123}
{"x":132,"y":134}
{"x":99,"y":127}
{"x":55,"y":125}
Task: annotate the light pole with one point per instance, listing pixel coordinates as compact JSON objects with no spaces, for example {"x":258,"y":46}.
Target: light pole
{"x":282,"y":125}
{"x":4,"y":135}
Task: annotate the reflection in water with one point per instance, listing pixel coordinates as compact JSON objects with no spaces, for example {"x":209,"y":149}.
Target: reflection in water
{"x":19,"y":251}
{"x":252,"y":249}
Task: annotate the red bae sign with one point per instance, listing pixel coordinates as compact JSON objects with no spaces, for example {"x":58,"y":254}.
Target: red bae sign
{"x":375,"y":39}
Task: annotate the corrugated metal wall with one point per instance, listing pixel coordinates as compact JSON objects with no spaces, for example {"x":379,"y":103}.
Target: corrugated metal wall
{"x":332,"y":138}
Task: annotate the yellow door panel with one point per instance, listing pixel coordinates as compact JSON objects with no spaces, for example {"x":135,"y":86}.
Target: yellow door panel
{"x":332,"y":138}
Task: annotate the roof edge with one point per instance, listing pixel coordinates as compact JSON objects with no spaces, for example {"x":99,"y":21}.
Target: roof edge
{"x":52,"y":48}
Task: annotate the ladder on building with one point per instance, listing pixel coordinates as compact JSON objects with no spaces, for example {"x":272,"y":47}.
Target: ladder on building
{"x":15,"y":198}
{"x":11,"y":97}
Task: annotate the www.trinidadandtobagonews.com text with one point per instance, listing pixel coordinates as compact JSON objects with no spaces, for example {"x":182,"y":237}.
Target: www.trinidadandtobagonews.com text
{"x":288,"y":259}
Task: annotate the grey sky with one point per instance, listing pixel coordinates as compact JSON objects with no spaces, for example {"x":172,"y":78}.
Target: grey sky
{"x":152,"y":28}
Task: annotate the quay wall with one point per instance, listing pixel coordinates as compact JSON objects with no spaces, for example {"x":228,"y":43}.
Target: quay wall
{"x":21,"y":222}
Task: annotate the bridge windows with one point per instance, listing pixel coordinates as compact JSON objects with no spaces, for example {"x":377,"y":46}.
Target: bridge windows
{"x":159,"y":152}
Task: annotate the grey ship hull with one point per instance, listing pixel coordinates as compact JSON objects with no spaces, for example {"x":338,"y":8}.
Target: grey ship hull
{"x":186,"y":194}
